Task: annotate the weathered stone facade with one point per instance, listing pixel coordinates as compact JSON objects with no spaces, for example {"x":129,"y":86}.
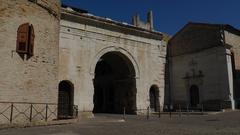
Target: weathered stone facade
{"x":85,"y":63}
{"x":46,"y":82}
{"x":232,"y":40}
{"x":84,"y":39}
{"x":29,"y":79}
{"x":200,"y":59}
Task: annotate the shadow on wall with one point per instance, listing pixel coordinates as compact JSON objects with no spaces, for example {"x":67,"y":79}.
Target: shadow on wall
{"x":167,"y":92}
{"x":114,"y":85}
{"x":236,"y":76}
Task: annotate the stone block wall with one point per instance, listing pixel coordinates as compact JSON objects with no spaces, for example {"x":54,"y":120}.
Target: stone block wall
{"x":33,"y":79}
{"x":232,"y":39}
{"x":199,"y":55}
{"x":82,"y":44}
{"x":195,"y":38}
{"x":213,"y":81}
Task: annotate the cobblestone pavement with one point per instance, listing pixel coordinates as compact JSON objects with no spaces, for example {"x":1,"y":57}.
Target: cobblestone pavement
{"x":103,"y":124}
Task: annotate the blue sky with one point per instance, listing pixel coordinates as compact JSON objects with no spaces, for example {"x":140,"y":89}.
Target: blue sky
{"x":169,"y":15}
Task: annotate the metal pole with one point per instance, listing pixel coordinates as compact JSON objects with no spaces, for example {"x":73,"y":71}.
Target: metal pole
{"x":170,"y":114}
{"x":159,"y":112}
{"x":11,"y":114}
{"x":170,"y":108}
{"x":221,"y":107}
{"x":180,"y":111}
{"x":124,"y":113}
{"x":46,"y":117}
{"x":148,"y":111}
{"x":77,"y":111}
{"x":31,"y":106}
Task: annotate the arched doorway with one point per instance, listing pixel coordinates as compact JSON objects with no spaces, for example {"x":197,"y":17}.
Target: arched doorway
{"x":194,"y":96}
{"x":154,"y":98}
{"x":114,"y":84}
{"x":65,"y":100}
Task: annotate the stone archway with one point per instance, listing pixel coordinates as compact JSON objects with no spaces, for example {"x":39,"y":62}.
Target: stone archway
{"x":65,"y":99}
{"x":154,"y":98}
{"x":121,"y":50}
{"x":114,"y":84}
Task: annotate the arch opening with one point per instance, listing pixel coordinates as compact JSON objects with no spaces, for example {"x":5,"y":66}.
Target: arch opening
{"x":194,"y":96}
{"x":114,"y":84}
{"x":65,"y":99}
{"x":154,"y":98}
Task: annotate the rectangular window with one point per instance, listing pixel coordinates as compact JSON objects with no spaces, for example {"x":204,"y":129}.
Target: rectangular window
{"x":25,"y":39}
{"x":22,"y":38}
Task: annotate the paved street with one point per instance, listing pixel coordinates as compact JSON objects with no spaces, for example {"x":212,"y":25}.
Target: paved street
{"x":217,"y":124}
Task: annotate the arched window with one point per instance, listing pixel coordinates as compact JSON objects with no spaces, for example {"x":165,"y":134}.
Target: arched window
{"x":65,"y":99}
{"x":25,"y":39}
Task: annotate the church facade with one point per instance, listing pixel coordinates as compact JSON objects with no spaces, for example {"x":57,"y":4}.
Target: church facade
{"x":203,"y":66}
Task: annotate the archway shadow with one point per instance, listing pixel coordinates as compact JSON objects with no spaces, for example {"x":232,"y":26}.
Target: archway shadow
{"x":114,"y":85}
